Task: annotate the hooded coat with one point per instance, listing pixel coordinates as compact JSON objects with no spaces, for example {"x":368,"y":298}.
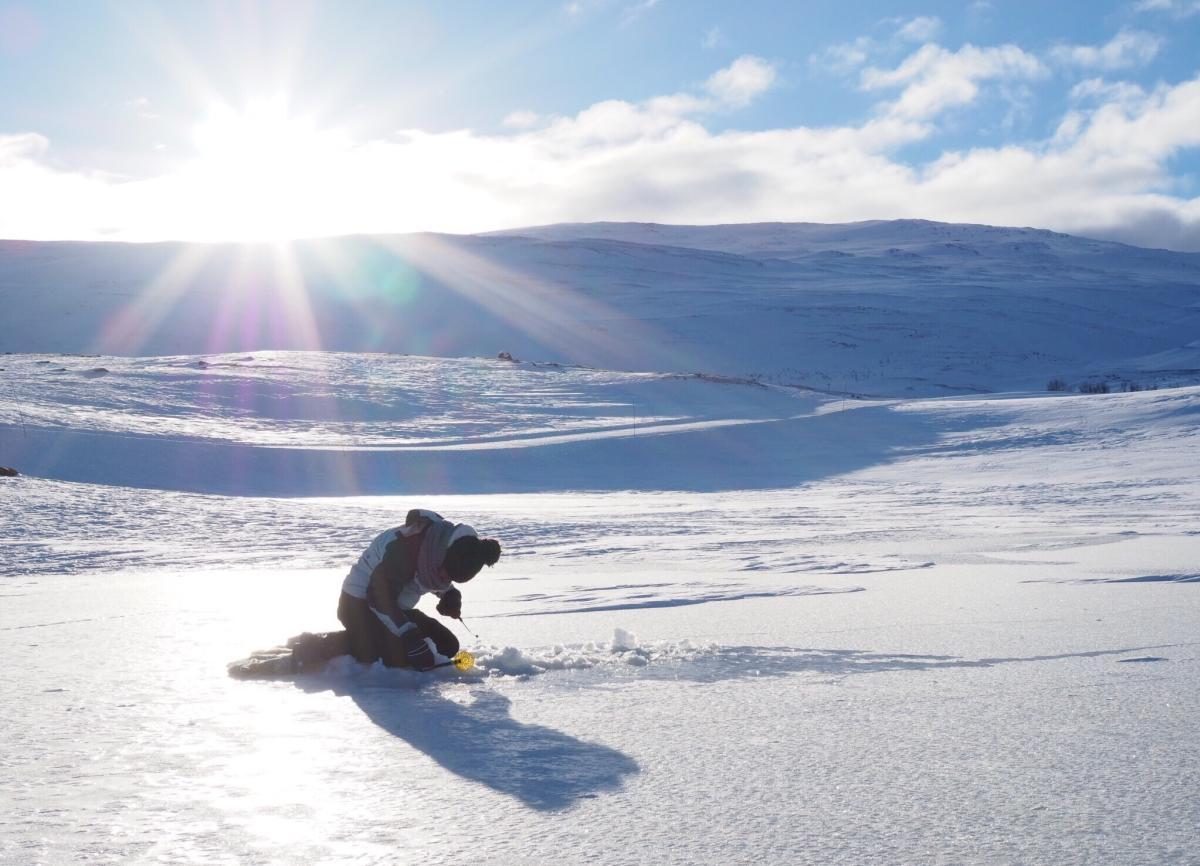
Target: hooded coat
{"x":402,"y":564}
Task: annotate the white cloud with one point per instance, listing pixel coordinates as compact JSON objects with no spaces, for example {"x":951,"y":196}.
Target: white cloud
{"x":1105,"y":171}
{"x":844,"y":56}
{"x":39,"y":200}
{"x":739,"y":83}
{"x":634,"y":11}
{"x":920,"y":29}
{"x":615,"y":121}
{"x":1068,"y":128}
{"x":1149,"y":129}
{"x":1127,"y":48}
{"x":1178,"y":8}
{"x":713,"y":37}
{"x":934,"y":78}
{"x":1099,"y":90}
{"x":142,"y":108}
{"x":522,"y":119}
{"x":14,"y":149}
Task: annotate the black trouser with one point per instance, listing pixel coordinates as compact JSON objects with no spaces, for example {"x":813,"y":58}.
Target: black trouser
{"x":369,"y":639}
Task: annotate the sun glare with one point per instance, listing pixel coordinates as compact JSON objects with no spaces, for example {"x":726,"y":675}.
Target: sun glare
{"x":262,"y":174}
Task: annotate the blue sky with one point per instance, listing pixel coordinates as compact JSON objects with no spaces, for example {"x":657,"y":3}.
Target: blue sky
{"x":140,"y":120}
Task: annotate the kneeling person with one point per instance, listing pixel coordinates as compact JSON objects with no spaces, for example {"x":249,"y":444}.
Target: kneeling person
{"x":380,"y":594}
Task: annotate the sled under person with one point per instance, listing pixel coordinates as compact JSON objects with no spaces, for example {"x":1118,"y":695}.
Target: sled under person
{"x":377,"y":606}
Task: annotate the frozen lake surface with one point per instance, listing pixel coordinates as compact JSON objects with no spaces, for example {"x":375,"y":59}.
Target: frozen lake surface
{"x":974,"y":645}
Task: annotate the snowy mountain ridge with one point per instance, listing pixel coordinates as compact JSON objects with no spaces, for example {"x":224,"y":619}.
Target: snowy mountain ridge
{"x":868,"y":236}
{"x":883,"y":308}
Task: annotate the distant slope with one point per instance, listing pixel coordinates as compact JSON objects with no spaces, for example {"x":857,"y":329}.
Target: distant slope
{"x":872,"y":237}
{"x":322,"y":423}
{"x":888,"y":308}
{"x":335,"y":424}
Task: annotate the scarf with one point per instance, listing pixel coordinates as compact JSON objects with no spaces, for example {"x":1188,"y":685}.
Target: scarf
{"x":430,"y":576}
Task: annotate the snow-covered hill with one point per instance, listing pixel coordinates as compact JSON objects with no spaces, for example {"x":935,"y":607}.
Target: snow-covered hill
{"x":881,"y":308}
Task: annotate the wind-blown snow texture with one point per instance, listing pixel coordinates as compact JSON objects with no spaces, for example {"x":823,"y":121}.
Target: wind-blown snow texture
{"x":735,"y":620}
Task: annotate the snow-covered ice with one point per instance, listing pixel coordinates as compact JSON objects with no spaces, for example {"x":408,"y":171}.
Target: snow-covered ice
{"x":734,"y":622}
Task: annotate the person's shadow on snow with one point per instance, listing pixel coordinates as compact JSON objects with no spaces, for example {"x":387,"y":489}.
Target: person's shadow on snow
{"x":543,"y":768}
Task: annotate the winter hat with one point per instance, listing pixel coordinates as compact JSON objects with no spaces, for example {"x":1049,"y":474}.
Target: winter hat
{"x":468,"y":554}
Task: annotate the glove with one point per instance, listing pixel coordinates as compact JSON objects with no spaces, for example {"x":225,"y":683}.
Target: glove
{"x":416,"y":651}
{"x":451,"y":603}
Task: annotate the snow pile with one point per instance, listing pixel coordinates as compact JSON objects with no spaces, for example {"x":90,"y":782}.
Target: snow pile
{"x":623,"y":641}
{"x":623,"y":651}
{"x":509,"y":660}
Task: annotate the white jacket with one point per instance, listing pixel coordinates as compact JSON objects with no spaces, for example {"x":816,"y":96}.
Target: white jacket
{"x":359,"y":577}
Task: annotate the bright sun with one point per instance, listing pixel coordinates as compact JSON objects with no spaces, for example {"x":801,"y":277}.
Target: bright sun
{"x":261,"y":173}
